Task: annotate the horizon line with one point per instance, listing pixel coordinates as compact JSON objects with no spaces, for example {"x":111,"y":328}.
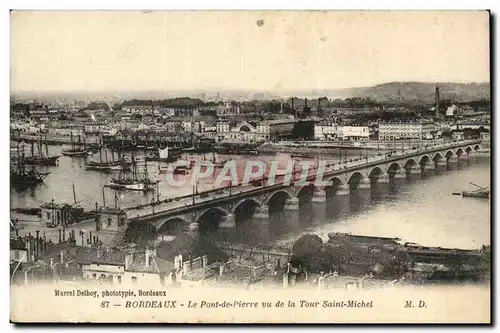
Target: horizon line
{"x":215,"y":89}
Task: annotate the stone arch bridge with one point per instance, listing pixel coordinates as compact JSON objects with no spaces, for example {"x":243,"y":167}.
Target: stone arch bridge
{"x":226,"y":210}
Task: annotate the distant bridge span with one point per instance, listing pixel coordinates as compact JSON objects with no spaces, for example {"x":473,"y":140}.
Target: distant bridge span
{"x":225,"y":204}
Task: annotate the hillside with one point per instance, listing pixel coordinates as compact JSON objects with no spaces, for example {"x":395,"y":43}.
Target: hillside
{"x":462,"y":92}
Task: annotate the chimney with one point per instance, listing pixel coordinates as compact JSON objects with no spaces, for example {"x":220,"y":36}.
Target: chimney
{"x":51,"y":262}
{"x":305,"y":105}
{"x":285,"y":280}
{"x":221,"y":270}
{"x":28,"y":250}
{"x":185,"y":267}
{"x":287,"y":267}
{"x":62,"y":256}
{"x":98,"y":253}
{"x":437,"y":101}
{"x":129,"y":259}
{"x":148,"y":254}
{"x":359,"y":284}
{"x":204,"y":261}
{"x":59,"y":235}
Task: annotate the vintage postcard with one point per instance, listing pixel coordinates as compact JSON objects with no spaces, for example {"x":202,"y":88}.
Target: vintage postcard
{"x":250,"y":166}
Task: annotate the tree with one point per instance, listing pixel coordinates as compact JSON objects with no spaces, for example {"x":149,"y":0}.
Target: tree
{"x":140,"y":233}
{"x":182,"y":244}
{"x":307,"y":246}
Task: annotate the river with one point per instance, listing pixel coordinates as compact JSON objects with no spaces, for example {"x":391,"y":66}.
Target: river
{"x":417,"y":210}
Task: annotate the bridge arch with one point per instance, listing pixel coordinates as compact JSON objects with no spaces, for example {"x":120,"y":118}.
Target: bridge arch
{"x":424,"y":159}
{"x":332,"y":189}
{"x":376,"y":171}
{"x":210,"y":218}
{"x":393,"y":167}
{"x":163,"y":223}
{"x":245,"y":209}
{"x":477,"y":147}
{"x":409,"y":163}
{"x":244,"y":201}
{"x":437,"y":156}
{"x":278,"y":194}
{"x":355,"y":178}
{"x":449,"y":153}
{"x":459,"y":152}
{"x":468,"y":149}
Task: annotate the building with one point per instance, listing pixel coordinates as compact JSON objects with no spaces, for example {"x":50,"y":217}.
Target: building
{"x":227,"y":109}
{"x":276,"y":129}
{"x":336,"y":281}
{"x":451,"y":111}
{"x":18,"y":250}
{"x":326,"y":130}
{"x":401,"y":130}
{"x":473,"y":125}
{"x":252,"y":132}
{"x":134,"y":266}
{"x":354,"y":133}
{"x":354,"y":110}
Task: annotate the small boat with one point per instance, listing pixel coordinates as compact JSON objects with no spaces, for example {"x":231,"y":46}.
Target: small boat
{"x":22,"y":177}
{"x":76,"y":151}
{"x":164,"y":155}
{"x":132,"y":185}
{"x":121,"y":164}
{"x":181,"y":170}
{"x":134,"y":182}
{"x":40,"y":158}
{"x":481,"y":192}
{"x":476,"y":194}
{"x":300,"y":156}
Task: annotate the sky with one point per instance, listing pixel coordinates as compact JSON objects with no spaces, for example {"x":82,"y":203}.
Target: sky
{"x":206,"y":50}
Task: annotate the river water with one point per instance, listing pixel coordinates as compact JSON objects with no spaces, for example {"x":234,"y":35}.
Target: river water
{"x":416,"y":210}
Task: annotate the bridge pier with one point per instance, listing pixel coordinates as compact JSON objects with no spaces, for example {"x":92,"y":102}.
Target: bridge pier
{"x":429,"y":166}
{"x":399,"y":175}
{"x":292,"y":204}
{"x":452,"y":161}
{"x":415,"y":170}
{"x":364,"y":183}
{"x":463,"y":158}
{"x":319,"y":195}
{"x":383,"y":179}
{"x":343,"y":190}
{"x":193,"y":229}
{"x":262,"y":212}
{"x":441,"y":163}
{"x":229,"y":221}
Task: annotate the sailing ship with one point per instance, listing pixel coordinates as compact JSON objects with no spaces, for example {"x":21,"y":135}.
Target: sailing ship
{"x":76,"y":151}
{"x":164,"y":155}
{"x":133,"y":181}
{"x":22,"y":176}
{"x":216,"y":163}
{"x":122,"y":164}
{"x":40,"y":158}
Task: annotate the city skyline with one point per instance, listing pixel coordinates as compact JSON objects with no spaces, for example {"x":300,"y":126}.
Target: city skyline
{"x":121,"y":51}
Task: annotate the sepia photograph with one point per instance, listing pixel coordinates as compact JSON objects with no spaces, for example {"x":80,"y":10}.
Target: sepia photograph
{"x":250,"y":166}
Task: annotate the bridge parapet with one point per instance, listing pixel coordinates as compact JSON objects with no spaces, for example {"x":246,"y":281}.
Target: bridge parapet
{"x":342,"y":172}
